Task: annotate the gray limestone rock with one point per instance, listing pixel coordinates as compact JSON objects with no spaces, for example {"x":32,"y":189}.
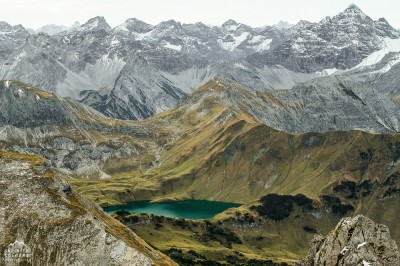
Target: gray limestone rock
{"x":354,"y":241}
{"x":339,"y":42}
{"x":42,"y":223}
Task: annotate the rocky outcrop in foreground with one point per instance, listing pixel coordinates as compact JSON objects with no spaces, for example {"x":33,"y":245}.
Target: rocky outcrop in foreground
{"x":354,"y":241}
{"x":43,"y":222}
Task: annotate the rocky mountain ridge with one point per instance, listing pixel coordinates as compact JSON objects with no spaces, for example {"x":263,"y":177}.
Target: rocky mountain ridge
{"x":44,"y":222}
{"x":108,"y":69}
{"x":205,"y":149}
{"x":340,"y":42}
{"x":354,"y":241}
{"x":75,"y":138}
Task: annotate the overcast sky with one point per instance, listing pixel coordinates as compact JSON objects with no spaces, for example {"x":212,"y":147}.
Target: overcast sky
{"x":36,"y":13}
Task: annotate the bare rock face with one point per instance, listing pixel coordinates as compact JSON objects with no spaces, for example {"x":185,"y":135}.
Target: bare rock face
{"x":317,"y":46}
{"x":99,"y":66}
{"x":354,"y":241}
{"x":43,"y":222}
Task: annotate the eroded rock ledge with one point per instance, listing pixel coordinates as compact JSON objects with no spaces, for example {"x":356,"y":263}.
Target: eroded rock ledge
{"x":354,"y":241}
{"x":43,"y":222}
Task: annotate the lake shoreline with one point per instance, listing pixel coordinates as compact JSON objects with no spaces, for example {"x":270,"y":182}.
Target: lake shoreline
{"x":186,"y":209}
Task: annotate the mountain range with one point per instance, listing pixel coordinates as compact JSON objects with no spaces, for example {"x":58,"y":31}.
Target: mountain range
{"x":299,"y":124}
{"x":52,"y":29}
{"x":136,"y":70}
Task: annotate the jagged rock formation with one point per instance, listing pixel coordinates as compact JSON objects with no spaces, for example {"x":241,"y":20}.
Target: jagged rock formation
{"x":340,"y":42}
{"x":11,"y":37}
{"x":213,"y":151}
{"x":93,"y":58}
{"x":44,"y":222}
{"x":355,"y":241}
{"x":320,"y":105}
{"x":75,"y":138}
{"x":109,"y":69}
{"x":80,"y":141}
{"x":205,"y":149}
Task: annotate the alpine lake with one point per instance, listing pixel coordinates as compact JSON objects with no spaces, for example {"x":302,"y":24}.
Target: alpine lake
{"x":186,"y":209}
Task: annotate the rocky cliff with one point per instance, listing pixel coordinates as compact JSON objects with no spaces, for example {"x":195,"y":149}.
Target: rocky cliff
{"x":340,"y":42}
{"x":74,"y":137}
{"x":354,"y":241}
{"x":137,"y":70}
{"x":44,"y":222}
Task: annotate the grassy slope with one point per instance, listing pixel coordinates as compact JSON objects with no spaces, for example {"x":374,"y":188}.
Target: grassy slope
{"x":219,"y":147}
{"x":220,"y":152}
{"x":261,"y":238}
{"x":211,"y":147}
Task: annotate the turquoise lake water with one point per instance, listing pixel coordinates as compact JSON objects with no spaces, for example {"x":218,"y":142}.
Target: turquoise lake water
{"x":187,"y":209}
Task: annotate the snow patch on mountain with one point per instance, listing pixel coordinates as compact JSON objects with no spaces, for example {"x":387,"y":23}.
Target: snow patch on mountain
{"x":388,"y":45}
{"x":143,"y":36}
{"x":241,"y":66}
{"x":115,"y":41}
{"x":366,"y":263}
{"x":232,"y":27}
{"x":173,"y":47}
{"x":328,"y":72}
{"x":262,"y":43}
{"x":233,"y":42}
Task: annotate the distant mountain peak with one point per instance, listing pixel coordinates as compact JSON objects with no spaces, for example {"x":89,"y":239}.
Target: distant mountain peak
{"x":383,"y":20}
{"x":230,"y":22}
{"x":52,"y":29}
{"x":4,"y":25}
{"x":75,"y":24}
{"x":234,"y":26}
{"x":134,"y":21}
{"x":134,"y":25}
{"x":19,"y":27}
{"x":96,"y":23}
{"x":171,"y":22}
{"x":303,"y":24}
{"x":7,"y":28}
{"x":283,"y":25}
{"x":354,"y":10}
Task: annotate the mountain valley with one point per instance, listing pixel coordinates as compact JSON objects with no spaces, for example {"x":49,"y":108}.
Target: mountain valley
{"x":299,"y":124}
